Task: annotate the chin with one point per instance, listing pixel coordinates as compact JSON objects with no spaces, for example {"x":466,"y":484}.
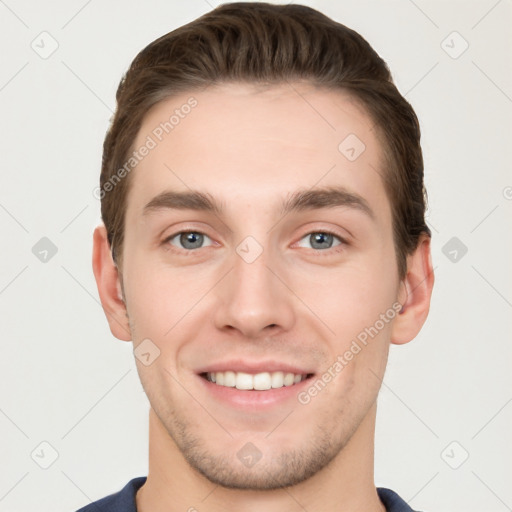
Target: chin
{"x":249,"y":468}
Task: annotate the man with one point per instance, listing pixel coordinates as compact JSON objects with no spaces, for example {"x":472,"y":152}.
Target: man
{"x":263,"y":244}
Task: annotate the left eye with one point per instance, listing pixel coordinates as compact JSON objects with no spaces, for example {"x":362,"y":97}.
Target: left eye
{"x":321,"y":240}
{"x":188,"y":240}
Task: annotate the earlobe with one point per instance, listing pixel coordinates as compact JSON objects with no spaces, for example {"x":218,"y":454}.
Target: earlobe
{"x":415,"y":294}
{"x":109,"y":286}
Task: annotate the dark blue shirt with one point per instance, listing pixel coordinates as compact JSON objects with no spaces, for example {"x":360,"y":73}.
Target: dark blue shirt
{"x":124,"y":500}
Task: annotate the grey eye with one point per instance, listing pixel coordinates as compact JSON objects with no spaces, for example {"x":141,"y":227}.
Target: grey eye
{"x":321,"y":240}
{"x":189,"y":240}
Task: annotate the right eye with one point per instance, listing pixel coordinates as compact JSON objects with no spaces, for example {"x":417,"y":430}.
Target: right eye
{"x":188,"y":240}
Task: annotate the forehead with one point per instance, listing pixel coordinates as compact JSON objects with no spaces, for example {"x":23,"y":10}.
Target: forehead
{"x":239,"y":142}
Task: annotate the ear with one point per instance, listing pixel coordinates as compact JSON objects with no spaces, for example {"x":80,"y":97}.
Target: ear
{"x":415,"y":294}
{"x":109,"y":285}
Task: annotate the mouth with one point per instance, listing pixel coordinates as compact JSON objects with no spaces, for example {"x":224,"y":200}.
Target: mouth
{"x":262,"y":381}
{"x":250,"y":386}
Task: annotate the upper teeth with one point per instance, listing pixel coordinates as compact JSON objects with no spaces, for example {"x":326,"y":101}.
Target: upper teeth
{"x":259,"y":381}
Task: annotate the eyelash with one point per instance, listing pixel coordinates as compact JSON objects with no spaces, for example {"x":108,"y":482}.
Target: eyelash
{"x":337,"y":248}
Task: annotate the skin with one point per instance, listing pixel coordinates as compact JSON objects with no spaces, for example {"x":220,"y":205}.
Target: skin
{"x":251,"y":148}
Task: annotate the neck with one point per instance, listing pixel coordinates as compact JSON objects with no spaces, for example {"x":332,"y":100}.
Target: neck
{"x":345,"y":484}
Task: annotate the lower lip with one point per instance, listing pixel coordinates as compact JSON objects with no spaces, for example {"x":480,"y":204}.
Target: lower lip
{"x":254,"y":399}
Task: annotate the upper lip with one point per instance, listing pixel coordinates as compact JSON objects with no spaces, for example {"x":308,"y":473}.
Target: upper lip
{"x":238,"y":365}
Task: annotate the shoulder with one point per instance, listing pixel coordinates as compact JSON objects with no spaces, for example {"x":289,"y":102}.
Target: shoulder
{"x":121,"y":501}
{"x":124,"y":500}
{"x":392,"y":501}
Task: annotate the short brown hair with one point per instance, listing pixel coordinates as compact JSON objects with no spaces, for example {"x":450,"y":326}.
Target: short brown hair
{"x":270,"y":44}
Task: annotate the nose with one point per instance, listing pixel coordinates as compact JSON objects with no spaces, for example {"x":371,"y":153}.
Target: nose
{"x":254,"y":299}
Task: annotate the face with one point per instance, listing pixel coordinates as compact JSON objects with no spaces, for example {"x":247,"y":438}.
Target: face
{"x":259,"y":254}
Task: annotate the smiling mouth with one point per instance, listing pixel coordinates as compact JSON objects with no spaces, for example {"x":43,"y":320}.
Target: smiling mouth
{"x":255,"y":381}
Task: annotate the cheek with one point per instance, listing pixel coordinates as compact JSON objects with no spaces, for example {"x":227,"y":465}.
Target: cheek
{"x":356,"y":369}
{"x":158,"y":296}
{"x":358,"y":305}
{"x":352,"y":296}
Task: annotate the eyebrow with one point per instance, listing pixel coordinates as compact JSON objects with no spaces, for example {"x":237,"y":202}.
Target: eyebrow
{"x":298,"y":201}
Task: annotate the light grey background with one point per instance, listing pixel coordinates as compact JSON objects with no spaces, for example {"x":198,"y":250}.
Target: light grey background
{"x":67,"y":382}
